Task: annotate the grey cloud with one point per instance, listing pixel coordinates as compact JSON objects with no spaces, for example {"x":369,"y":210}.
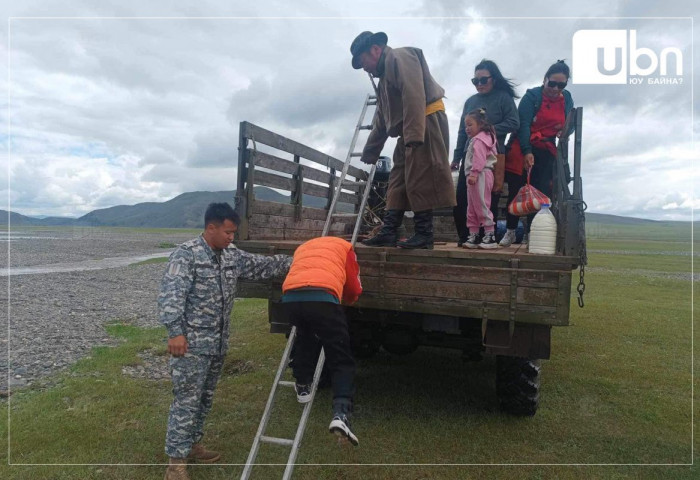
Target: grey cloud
{"x":295,"y":98}
{"x":170,"y":93}
{"x":214,"y":148}
{"x":156,"y":156}
{"x":183,"y":179}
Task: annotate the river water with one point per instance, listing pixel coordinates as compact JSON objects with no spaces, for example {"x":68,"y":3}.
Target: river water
{"x":82,"y":266}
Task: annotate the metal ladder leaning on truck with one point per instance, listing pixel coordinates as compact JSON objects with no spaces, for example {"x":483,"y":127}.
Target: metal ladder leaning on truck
{"x":501,"y":302}
{"x":363,"y":188}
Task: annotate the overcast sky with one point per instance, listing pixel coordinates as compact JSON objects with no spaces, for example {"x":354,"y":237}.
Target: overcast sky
{"x":120,"y":110}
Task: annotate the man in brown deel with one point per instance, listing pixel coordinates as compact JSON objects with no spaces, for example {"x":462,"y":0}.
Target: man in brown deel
{"x":409,"y":106}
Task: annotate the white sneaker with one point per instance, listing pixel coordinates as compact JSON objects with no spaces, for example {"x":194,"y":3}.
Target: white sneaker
{"x":303,"y":393}
{"x":508,"y":239}
{"x":525,"y":239}
{"x":340,"y":426}
{"x":472,"y":241}
{"x":489,"y":241}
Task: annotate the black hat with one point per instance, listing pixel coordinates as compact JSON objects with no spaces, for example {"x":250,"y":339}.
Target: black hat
{"x":363,"y":42}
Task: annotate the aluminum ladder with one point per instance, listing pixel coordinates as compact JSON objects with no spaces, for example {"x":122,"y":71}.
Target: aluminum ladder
{"x":295,"y":443}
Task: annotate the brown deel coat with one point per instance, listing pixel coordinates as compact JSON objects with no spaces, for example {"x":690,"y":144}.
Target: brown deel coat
{"x":420,"y":178}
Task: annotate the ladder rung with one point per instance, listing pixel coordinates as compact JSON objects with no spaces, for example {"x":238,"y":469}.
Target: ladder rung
{"x":371,"y":103}
{"x":277,"y":441}
{"x":347,"y":215}
{"x":356,"y":154}
{"x":372,"y":97}
{"x":349,"y":183}
{"x":285,"y":383}
{"x":366,"y":127}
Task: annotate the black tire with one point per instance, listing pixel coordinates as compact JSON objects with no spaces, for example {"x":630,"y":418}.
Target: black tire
{"x":518,"y":385}
{"x":366,"y":349}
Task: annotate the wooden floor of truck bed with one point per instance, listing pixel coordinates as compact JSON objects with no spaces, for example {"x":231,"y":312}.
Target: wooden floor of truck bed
{"x":441,"y":253}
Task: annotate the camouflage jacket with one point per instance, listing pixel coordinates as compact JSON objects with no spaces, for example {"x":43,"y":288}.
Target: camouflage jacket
{"x":197,"y":293}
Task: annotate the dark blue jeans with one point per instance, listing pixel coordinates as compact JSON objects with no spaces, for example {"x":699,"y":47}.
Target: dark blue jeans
{"x":541,"y":176}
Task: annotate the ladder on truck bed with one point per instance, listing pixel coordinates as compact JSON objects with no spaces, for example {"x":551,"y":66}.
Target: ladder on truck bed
{"x":260,"y":437}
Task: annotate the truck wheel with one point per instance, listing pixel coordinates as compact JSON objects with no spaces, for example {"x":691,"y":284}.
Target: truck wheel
{"x":366,"y":349}
{"x":518,"y":385}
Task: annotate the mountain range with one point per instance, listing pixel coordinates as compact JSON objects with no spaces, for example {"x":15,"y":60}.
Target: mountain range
{"x":186,"y":211}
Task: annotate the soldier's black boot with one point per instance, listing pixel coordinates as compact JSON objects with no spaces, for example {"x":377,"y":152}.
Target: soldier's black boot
{"x":423,"y":228}
{"x":388,"y":234}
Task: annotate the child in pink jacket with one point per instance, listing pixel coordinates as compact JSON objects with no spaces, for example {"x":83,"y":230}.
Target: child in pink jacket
{"x":478,"y":168}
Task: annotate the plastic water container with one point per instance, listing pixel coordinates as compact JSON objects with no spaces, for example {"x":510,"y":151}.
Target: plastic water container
{"x":543,"y":233}
{"x":455,"y":178}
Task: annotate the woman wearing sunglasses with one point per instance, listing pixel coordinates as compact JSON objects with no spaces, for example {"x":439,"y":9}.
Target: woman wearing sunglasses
{"x":496,"y":95}
{"x":542,"y":113}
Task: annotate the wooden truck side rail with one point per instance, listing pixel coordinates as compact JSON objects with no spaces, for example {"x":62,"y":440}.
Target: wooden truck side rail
{"x":504,"y":287}
{"x":507,"y":290}
{"x":308,"y":173}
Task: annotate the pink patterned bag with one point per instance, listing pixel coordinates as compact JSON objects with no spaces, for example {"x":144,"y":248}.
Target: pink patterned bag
{"x":528,"y":200}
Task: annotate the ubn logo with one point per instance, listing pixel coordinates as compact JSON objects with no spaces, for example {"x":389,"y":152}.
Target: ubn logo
{"x":601,"y":56}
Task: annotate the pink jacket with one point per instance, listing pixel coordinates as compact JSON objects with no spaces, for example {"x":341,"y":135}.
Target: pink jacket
{"x":481,"y":154}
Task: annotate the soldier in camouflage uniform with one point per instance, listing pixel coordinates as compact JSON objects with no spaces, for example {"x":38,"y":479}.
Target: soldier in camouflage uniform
{"x":195,"y":303}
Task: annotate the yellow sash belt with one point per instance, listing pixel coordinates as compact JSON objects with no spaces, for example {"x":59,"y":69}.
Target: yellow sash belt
{"x":436,"y":106}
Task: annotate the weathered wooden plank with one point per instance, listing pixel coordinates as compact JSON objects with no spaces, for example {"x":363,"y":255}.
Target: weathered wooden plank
{"x":315,"y":190}
{"x":461,"y":290}
{"x":543,"y":315}
{"x":454,"y":256}
{"x":495,"y":258}
{"x":293,"y":234}
{"x":274,"y":181}
{"x":265,"y":160}
{"x":539,"y":278}
{"x":261,"y":207}
{"x":357,"y":173}
{"x":564,"y":299}
{"x":321,"y":191}
{"x":279,"y":221}
{"x":266,"y":137}
{"x":453,"y":290}
{"x":429,"y":272}
{"x":537,"y":296}
{"x":461,"y":273}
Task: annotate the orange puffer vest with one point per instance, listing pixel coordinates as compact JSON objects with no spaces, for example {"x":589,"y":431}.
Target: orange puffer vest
{"x":319,"y":263}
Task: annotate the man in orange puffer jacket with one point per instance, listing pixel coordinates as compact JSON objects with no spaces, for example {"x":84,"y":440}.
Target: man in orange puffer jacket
{"x":324,"y":271}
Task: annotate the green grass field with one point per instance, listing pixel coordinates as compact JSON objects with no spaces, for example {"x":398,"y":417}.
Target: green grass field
{"x":615,"y":398}
{"x":151,"y":261}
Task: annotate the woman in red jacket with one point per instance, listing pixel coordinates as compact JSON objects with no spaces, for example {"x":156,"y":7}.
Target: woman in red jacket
{"x":542,"y":113}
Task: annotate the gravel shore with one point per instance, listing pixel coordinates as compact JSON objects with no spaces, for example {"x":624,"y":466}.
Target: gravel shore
{"x":56,"y":318}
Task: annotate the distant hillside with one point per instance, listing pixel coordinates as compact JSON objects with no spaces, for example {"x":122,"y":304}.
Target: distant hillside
{"x":183,"y":211}
{"x":606,"y":219}
{"x":17,"y":219}
{"x":186,"y":211}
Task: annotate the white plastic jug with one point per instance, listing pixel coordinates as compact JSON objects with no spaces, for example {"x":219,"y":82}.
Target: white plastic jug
{"x":543,"y":233}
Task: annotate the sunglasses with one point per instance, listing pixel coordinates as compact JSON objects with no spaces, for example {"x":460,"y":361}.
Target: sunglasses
{"x":480,"y":81}
{"x":559,"y":85}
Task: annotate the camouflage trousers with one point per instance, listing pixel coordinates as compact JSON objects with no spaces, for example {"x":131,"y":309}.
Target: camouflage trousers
{"x":194,"y":381}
